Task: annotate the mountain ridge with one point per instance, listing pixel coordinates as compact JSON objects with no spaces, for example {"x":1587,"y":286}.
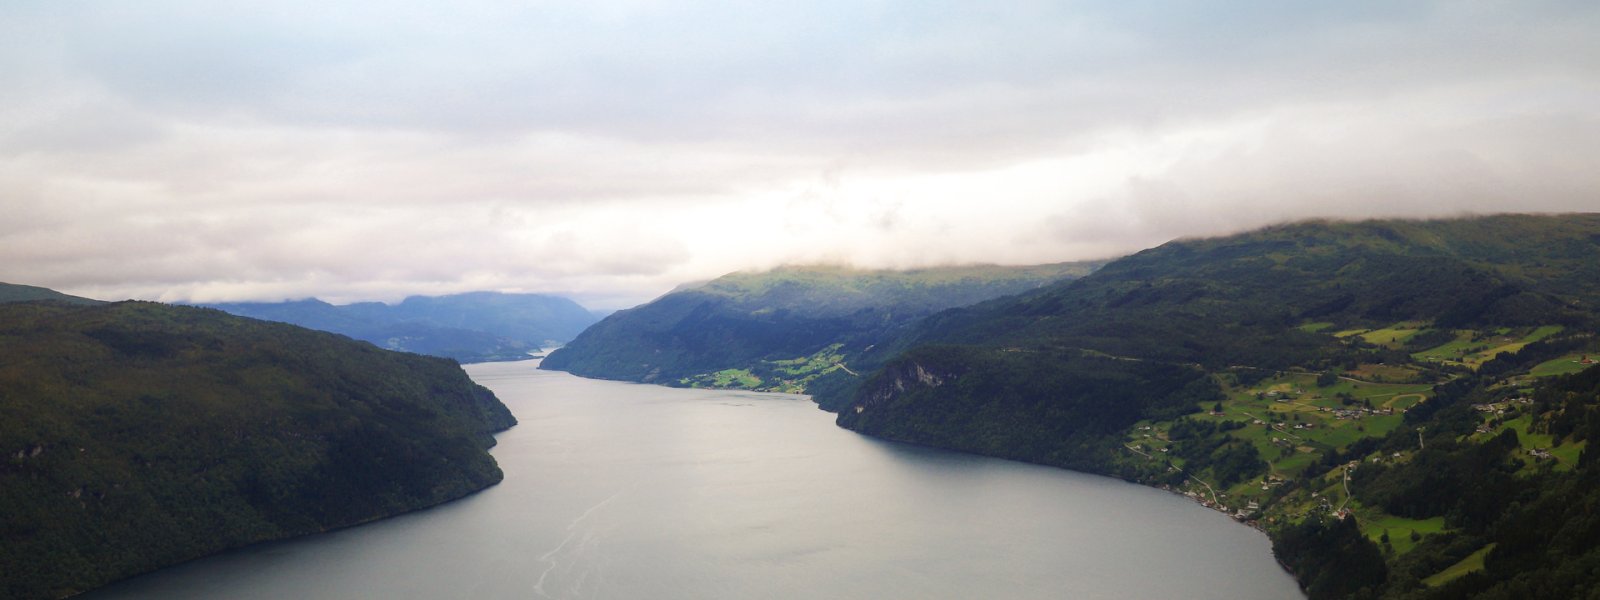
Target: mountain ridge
{"x":13,"y":292}
{"x":468,"y":327}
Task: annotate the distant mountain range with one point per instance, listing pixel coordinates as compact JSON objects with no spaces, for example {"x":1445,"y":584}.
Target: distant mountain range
{"x":136,"y":435}
{"x":472,"y":327}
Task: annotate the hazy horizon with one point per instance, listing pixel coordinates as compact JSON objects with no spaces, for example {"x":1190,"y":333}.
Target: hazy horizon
{"x":603,"y":310}
{"x":608,"y":152}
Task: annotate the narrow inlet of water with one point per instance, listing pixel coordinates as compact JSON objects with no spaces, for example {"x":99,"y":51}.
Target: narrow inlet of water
{"x":627,"y":491}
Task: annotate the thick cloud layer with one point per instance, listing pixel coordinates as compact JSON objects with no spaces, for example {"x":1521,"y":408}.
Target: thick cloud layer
{"x":368,"y":150}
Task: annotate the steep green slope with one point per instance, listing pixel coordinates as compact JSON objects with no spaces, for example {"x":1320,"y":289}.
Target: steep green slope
{"x":1040,"y":406}
{"x":792,"y":328}
{"x":472,"y":327}
{"x":1253,"y":371}
{"x":138,"y":435}
{"x":11,"y":292}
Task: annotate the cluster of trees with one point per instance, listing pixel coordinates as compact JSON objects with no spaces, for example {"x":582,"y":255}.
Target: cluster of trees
{"x":1468,"y":483}
{"x":1228,"y":460}
{"x":1571,"y":411}
{"x":1331,"y":558}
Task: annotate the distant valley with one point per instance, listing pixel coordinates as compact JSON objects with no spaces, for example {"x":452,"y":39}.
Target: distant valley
{"x":471,"y":327}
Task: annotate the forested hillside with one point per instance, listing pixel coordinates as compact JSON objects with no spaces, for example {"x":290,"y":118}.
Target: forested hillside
{"x":1238,"y":299}
{"x":472,"y":327}
{"x":789,"y":329}
{"x":138,"y":435}
{"x":11,"y":292}
{"x":1387,"y":398}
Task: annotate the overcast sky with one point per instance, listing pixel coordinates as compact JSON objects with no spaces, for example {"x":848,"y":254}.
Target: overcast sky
{"x":608,"y":151}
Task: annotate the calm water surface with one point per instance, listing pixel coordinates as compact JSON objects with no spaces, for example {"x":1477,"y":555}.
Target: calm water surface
{"x":618,"y":490}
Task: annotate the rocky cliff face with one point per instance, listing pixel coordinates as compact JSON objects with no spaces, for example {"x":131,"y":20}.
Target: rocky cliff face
{"x":899,"y":379}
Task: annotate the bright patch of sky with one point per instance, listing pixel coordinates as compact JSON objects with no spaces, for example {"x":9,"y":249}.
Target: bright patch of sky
{"x":609,"y":151}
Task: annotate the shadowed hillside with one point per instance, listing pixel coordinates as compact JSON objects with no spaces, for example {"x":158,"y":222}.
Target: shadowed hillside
{"x":138,"y":435}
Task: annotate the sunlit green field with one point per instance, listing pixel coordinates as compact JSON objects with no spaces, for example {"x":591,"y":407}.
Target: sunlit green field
{"x":1399,"y":529}
{"x":1472,"y":349}
{"x":1571,"y":363}
{"x":1473,"y":562}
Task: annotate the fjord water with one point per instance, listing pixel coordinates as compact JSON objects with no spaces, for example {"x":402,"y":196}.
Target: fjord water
{"x":617,"y":490}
